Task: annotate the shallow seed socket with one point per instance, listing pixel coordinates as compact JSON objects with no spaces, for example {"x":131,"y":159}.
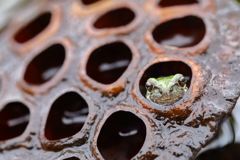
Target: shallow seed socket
{"x":163,"y":69}
{"x":88,"y":2}
{"x":115,"y":18}
{"x":14,"y":119}
{"x":121,"y":136}
{"x":67,"y":116}
{"x":34,"y":28}
{"x":169,"y":3}
{"x":107,"y":63}
{"x":181,"y":32}
{"x":45,"y":65}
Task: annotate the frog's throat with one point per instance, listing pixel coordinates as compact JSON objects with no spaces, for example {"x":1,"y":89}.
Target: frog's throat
{"x":163,"y":100}
{"x":166,"y":101}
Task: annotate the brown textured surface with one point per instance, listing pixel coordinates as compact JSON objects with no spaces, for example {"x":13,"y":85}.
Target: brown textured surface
{"x":172,"y":132}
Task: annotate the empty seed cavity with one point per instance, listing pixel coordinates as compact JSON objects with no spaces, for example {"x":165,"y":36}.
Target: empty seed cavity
{"x":122,"y":136}
{"x":34,"y":28}
{"x":66,"y":117}
{"x":107,"y":63}
{"x":45,"y":65}
{"x":14,"y":118}
{"x":115,"y":18}
{"x":169,"y":3}
{"x":72,"y":158}
{"x":181,"y":32}
{"x":88,"y":2}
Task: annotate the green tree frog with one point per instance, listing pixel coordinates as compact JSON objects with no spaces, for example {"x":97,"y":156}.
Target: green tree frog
{"x":166,"y":90}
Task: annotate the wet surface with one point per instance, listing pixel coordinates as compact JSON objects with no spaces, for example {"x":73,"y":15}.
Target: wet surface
{"x":115,"y":18}
{"x":107,"y":63}
{"x":124,"y":139}
{"x":33,"y":29}
{"x":176,"y":132}
{"x":14,"y":119}
{"x":226,"y":144}
{"x":45,"y":65}
{"x":183,"y":32}
{"x":169,"y":3}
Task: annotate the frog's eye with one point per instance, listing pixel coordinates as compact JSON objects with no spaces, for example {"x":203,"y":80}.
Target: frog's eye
{"x":182,"y":81}
{"x":148,"y":86}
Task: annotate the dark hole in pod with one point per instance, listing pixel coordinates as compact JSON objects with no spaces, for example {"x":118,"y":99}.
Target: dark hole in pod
{"x":115,"y":18}
{"x":33,"y":28}
{"x":107,"y":63}
{"x":168,"y":3}
{"x":181,"y":32}
{"x":72,"y":158}
{"x":164,"y":69}
{"x":88,"y":2}
{"x":121,"y":136}
{"x":45,"y":65}
{"x":67,"y":116}
{"x":14,"y":119}
{"x":228,"y":152}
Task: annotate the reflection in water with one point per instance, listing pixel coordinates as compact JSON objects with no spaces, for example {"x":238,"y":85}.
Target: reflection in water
{"x":177,"y":39}
{"x":18,"y":121}
{"x":78,"y":116}
{"x":49,"y":73}
{"x":130,"y":133}
{"x":115,"y":65}
{"x":226,"y":144}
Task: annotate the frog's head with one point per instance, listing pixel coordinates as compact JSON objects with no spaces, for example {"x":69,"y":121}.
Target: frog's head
{"x":166,"y":90}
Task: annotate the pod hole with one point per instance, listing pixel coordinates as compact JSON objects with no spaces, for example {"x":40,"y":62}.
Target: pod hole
{"x":67,"y":116}
{"x":88,"y":2}
{"x":229,"y":152}
{"x":107,"y":63}
{"x":115,"y":18}
{"x":34,"y":28}
{"x":181,"y":32}
{"x":72,"y":158}
{"x":164,"y":69}
{"x":45,"y":65}
{"x":121,"y":136}
{"x":14,"y":119}
{"x":169,"y":3}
